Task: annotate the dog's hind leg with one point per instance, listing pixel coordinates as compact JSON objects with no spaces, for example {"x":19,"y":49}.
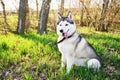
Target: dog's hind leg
{"x":94,"y":63}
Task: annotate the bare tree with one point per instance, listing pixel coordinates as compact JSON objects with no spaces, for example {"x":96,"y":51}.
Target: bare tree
{"x":62,"y":7}
{"x":37,"y":9}
{"x":27,"y":23}
{"x":43,"y":18}
{"x":113,"y":13}
{"x":4,"y":12}
{"x":102,"y":26}
{"x":84,"y":7}
{"x":81,"y":13}
{"x":23,"y":5}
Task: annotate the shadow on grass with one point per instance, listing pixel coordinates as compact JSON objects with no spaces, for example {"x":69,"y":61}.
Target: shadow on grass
{"x":44,"y":39}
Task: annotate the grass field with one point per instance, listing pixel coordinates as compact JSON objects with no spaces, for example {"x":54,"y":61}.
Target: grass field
{"x":36,"y":57}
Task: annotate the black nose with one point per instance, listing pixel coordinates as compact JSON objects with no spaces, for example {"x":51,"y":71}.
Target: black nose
{"x":61,"y":30}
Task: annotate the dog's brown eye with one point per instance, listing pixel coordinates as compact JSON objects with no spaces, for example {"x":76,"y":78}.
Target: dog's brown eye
{"x":66,"y":24}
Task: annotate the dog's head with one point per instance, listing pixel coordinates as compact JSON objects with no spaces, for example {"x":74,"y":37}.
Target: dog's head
{"x":65,"y":25}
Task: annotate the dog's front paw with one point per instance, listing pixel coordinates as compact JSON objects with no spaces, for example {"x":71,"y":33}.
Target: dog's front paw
{"x":68,"y":70}
{"x":63,"y":65}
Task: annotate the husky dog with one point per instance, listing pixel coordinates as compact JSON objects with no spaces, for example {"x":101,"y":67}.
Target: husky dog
{"x":75,"y":49}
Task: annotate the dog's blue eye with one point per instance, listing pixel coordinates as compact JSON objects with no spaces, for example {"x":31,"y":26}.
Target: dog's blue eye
{"x":66,"y":24}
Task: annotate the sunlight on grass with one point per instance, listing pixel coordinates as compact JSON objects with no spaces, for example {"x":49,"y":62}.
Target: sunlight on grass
{"x":32,"y":56}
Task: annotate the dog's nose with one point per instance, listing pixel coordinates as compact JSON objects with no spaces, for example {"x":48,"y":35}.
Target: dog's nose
{"x":61,"y":30}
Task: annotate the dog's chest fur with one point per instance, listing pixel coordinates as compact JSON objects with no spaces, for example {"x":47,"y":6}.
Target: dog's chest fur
{"x":73,"y":48}
{"x":68,"y":45}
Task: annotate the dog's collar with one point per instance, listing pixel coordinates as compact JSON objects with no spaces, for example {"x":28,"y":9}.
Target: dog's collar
{"x":65,"y":38}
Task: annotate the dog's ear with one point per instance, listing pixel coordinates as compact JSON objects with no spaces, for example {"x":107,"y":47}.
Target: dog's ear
{"x":59,"y":16}
{"x":70,"y":15}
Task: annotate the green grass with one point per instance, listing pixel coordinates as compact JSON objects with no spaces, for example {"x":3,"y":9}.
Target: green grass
{"x":33,"y":56}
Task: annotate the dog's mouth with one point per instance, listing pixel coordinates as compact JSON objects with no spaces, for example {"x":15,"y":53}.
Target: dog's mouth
{"x":65,"y":34}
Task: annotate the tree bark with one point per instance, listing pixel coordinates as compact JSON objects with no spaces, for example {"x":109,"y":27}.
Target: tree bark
{"x":23,"y":5}
{"x":62,"y":7}
{"x":81,"y":17}
{"x":4,"y":12}
{"x":37,"y":9}
{"x":102,"y":26}
{"x":27,"y":23}
{"x":43,"y":18}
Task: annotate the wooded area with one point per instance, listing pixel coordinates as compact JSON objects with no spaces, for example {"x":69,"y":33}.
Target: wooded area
{"x":99,"y":17}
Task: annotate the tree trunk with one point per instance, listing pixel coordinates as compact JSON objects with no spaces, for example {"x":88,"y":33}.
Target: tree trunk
{"x":43,"y":18}
{"x":37,"y":9}
{"x":81,"y":17}
{"x":102,"y":26}
{"x":87,"y":12}
{"x":4,"y":12}
{"x":62,"y":7}
{"x":27,"y":23}
{"x":23,"y":5}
